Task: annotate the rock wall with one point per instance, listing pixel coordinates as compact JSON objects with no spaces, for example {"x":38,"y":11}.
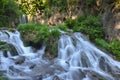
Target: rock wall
{"x":111,"y":23}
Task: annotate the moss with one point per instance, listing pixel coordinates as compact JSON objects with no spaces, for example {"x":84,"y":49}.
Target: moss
{"x":11,"y":29}
{"x":3,"y":46}
{"x":2,"y":75}
{"x":2,"y":43}
{"x":8,"y":47}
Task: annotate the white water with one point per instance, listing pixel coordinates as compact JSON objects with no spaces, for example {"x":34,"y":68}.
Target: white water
{"x":77,"y":59}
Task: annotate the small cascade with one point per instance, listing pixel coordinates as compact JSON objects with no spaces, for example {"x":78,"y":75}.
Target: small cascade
{"x":77,"y":59}
{"x":18,"y":66}
{"x":85,"y":61}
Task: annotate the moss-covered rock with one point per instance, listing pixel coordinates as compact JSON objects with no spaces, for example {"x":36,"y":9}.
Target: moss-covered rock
{"x":7,"y":47}
{"x":35,"y":35}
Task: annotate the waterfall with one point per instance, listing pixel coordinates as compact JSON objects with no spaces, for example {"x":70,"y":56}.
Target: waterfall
{"x":77,"y":59}
{"x":24,"y":19}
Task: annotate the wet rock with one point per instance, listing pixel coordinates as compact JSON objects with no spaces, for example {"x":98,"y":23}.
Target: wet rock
{"x":37,"y":45}
{"x":32,"y":66}
{"x":13,"y":50}
{"x":5,"y":53}
{"x":8,"y":48}
{"x":20,"y":60}
{"x":104,"y":65}
{"x":37,"y":77}
{"x":56,"y":78}
{"x":78,"y":74}
{"x":85,"y":61}
{"x":14,"y":69}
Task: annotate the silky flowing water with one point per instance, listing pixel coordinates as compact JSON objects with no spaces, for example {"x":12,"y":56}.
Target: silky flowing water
{"x":77,"y":59}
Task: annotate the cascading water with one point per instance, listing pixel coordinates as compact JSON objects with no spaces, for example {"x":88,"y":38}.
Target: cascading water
{"x":77,"y":59}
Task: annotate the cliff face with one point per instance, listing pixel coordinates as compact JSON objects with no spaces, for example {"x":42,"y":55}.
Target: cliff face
{"x":111,"y":23}
{"x":111,"y":20}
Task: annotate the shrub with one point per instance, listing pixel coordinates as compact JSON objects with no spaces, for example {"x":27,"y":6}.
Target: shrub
{"x":29,"y":32}
{"x":115,"y":48}
{"x":70,"y":23}
{"x":102,"y":43}
{"x":9,"y":12}
{"x":63,"y":27}
{"x":89,"y":26}
{"x":80,"y":18}
{"x":90,"y":2}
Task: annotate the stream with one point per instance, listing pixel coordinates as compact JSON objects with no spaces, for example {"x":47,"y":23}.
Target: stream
{"x":77,"y":59}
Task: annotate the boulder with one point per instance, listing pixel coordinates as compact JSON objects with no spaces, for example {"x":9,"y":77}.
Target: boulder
{"x":20,"y":60}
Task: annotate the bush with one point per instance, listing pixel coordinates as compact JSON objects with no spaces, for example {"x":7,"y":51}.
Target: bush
{"x":89,"y":26}
{"x":102,"y":43}
{"x":90,"y":2}
{"x":9,"y":12}
{"x":115,"y":48}
{"x":63,"y":27}
{"x":70,"y":23}
{"x":112,"y":47}
{"x":29,"y":32}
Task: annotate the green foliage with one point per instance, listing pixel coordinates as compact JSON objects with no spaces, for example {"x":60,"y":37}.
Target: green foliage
{"x":8,"y":12}
{"x":70,"y":23}
{"x":89,"y":26}
{"x":3,"y":46}
{"x":36,"y":31}
{"x":31,"y":6}
{"x":43,"y":33}
{"x":2,"y":43}
{"x":59,"y":5}
{"x":80,"y":19}
{"x":90,"y":2}
{"x":112,"y":47}
{"x":4,"y":78}
{"x":102,"y":43}
{"x":55,"y":33}
{"x":115,"y":48}
{"x":63,"y":27}
{"x":7,"y":47}
{"x":3,"y":20}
